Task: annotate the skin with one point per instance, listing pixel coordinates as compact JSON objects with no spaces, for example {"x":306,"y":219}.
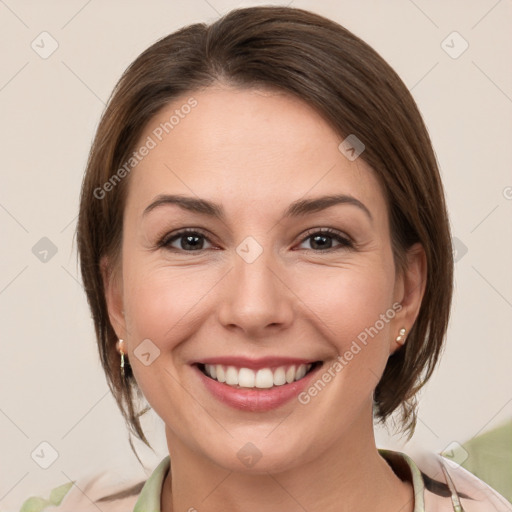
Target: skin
{"x":255,"y":152}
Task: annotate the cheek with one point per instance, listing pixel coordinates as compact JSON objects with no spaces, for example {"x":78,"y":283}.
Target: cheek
{"x":163,"y":303}
{"x":349,"y":299}
{"x":353,"y":310}
{"x":162,"y":306}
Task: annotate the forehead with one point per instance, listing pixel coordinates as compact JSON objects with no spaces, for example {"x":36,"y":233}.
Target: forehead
{"x":243,"y":147}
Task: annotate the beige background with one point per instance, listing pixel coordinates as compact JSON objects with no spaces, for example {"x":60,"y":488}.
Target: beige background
{"x":52,"y":388}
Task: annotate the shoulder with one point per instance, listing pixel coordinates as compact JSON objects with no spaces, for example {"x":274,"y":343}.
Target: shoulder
{"x":88,"y":494}
{"x":449,"y":487}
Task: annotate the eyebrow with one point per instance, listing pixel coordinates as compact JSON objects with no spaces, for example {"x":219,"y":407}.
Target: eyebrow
{"x":295,"y":209}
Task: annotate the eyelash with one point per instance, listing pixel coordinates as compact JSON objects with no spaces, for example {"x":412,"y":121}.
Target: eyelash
{"x":345,"y":242}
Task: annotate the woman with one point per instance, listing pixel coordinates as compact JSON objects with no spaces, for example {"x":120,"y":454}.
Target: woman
{"x":266,"y":252}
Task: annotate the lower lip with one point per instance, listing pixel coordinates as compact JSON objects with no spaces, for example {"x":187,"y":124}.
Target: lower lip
{"x":254,"y":399}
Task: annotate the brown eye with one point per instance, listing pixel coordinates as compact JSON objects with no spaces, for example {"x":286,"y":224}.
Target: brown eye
{"x":188,"y":240}
{"x":322,"y":240}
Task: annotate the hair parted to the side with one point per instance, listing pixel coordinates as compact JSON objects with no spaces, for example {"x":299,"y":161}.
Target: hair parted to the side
{"x":354,"y":89}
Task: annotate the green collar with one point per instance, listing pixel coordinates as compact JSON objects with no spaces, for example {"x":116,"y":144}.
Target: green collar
{"x":150,"y":495}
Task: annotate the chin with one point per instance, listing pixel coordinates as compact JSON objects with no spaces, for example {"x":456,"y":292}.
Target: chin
{"x":259,"y":456}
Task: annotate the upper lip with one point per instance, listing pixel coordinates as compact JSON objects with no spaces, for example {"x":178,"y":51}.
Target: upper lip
{"x":255,"y":364}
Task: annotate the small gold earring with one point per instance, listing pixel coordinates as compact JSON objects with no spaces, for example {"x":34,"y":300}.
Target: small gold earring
{"x":120,"y":349}
{"x":400,"y":339}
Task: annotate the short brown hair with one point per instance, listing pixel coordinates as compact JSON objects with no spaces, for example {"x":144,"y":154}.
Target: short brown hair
{"x":356,"y":92}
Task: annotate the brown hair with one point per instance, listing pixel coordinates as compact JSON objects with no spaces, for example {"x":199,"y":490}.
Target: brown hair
{"x":354,"y":89}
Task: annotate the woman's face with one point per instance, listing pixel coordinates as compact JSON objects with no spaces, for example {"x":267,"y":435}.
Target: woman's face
{"x":257,"y":286}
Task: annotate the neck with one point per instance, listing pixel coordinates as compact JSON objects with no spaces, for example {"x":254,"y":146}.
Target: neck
{"x":350,"y":475}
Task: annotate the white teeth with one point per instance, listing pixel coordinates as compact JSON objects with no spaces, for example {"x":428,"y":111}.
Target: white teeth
{"x":279,"y":377}
{"x":221,"y":376}
{"x":246,"y":378}
{"x":301,"y":371}
{"x":290,"y":374}
{"x":263,"y":379}
{"x":232,"y":376}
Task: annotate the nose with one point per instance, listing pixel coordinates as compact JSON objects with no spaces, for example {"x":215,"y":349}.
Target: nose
{"x":256,"y":299}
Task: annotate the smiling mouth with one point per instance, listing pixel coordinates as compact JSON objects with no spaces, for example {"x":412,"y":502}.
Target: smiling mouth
{"x":264,"y":378}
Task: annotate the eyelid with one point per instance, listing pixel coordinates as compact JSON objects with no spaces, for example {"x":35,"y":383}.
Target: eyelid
{"x":329,"y":231}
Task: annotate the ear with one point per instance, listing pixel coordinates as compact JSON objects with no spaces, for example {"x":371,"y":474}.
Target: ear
{"x":112,"y":284}
{"x":409,"y":291}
